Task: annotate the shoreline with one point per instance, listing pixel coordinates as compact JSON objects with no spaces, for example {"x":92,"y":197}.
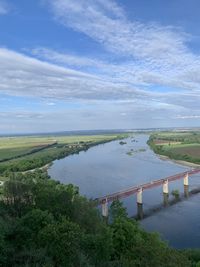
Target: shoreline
{"x":180,"y":162}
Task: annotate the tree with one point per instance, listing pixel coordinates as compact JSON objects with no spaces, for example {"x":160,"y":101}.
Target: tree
{"x":117,"y":210}
{"x":61,"y":241}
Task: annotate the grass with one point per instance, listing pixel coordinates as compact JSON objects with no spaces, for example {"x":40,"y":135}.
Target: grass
{"x":172,"y":134}
{"x":12,"y":148}
{"x":8,"y":153}
{"x":180,"y":145}
{"x":32,"y":141}
{"x":190,"y":150}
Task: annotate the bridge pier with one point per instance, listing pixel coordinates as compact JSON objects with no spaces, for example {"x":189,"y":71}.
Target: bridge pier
{"x":103,"y":201}
{"x":185,"y":179}
{"x":165,"y":199}
{"x":165,"y":187}
{"x":139,"y":196}
{"x":140,"y":211}
{"x":186,"y":191}
{"x":166,"y":192}
{"x":186,"y":185}
{"x":105,"y":208}
{"x":139,"y":204}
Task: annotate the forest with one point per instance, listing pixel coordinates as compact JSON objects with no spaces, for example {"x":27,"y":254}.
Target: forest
{"x":49,"y":224}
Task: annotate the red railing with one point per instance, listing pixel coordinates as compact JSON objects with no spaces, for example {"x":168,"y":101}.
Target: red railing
{"x":152,"y":184}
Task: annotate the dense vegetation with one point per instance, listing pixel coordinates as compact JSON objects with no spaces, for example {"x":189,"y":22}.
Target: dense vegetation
{"x":45,"y":223}
{"x":39,"y":157}
{"x":177,"y":145}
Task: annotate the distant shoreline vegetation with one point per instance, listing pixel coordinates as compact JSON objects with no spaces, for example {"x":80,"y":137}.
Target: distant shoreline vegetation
{"x":19,"y":154}
{"x":183,"y":146}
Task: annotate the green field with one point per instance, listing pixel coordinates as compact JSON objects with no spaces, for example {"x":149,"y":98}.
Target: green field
{"x":25,"y":141}
{"x":177,"y":145}
{"x":21,"y":153}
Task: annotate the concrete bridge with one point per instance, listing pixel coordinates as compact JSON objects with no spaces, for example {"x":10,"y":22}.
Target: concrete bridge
{"x":103,"y":201}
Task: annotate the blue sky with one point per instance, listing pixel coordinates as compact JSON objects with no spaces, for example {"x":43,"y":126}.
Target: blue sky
{"x":98,"y":64}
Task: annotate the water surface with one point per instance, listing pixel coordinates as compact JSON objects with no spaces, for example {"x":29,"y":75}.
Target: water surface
{"x":107,"y":168}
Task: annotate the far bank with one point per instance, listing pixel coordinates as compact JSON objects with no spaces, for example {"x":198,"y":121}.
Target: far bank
{"x":181,"y":147}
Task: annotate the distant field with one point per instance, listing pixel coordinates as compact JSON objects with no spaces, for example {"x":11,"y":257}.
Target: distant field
{"x":179,"y":145}
{"x":192,"y":150}
{"x":166,"y":142}
{"x":172,"y":134}
{"x":7,"y":153}
{"x":26,"y":153}
{"x":11,"y":147}
{"x":15,"y":142}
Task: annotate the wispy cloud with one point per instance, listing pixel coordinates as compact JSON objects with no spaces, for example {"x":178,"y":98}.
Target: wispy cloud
{"x":144,"y":56}
{"x":114,"y":31}
{"x":159,"y":54}
{"x":187,"y":117}
{"x":22,"y":75}
{"x":4,"y":7}
{"x":25,"y":76}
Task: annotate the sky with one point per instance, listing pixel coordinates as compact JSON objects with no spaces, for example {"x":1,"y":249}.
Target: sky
{"x":98,"y":64}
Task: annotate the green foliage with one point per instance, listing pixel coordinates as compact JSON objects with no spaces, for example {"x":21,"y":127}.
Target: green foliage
{"x":117,"y":210}
{"x":45,"y":223}
{"x":25,"y":159}
{"x":176,"y":193}
{"x":62,"y":240}
{"x":187,"y":149}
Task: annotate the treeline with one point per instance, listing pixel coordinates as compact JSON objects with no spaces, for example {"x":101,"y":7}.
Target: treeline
{"x":183,"y":137}
{"x":158,"y":149}
{"x":48,"y":155}
{"x":47,"y":224}
{"x":34,"y":150}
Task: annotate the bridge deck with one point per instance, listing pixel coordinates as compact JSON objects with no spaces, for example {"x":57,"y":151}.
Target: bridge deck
{"x":134,"y":189}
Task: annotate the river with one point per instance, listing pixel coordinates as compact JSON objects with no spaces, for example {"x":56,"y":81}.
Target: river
{"x":108,"y":168}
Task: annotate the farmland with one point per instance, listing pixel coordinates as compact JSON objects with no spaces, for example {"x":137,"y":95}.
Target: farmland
{"x":26,"y":153}
{"x":177,"y":145}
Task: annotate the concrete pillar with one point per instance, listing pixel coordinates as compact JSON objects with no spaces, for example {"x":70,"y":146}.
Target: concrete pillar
{"x":185,"y":179}
{"x":139,"y":204}
{"x":186,"y":191}
{"x":140,"y":211}
{"x":139,"y":196}
{"x":165,"y":187}
{"x":105,"y":208}
{"x":165,"y":199}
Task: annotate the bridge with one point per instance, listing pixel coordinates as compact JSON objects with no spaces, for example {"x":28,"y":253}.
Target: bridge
{"x":103,"y":201}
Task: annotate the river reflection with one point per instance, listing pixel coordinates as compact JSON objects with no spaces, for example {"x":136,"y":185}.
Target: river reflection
{"x":108,"y":168}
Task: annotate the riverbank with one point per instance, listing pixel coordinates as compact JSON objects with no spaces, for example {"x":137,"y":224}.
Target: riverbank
{"x":180,"y":162}
{"x":180,"y":148}
{"x":63,"y":147}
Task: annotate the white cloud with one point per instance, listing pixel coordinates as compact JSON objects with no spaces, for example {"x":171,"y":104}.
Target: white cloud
{"x":66,"y":59}
{"x":22,"y":75}
{"x":116,"y":32}
{"x":145,"y":59}
{"x":51,"y":104}
{"x":157,"y":54}
{"x":25,"y":76}
{"x":183,"y":117}
{"x":4,"y":7}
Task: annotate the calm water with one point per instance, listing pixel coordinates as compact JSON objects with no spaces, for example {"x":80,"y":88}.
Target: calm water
{"x":107,"y":168}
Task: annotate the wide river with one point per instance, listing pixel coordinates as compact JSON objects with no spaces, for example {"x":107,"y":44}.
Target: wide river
{"x":108,"y":168}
